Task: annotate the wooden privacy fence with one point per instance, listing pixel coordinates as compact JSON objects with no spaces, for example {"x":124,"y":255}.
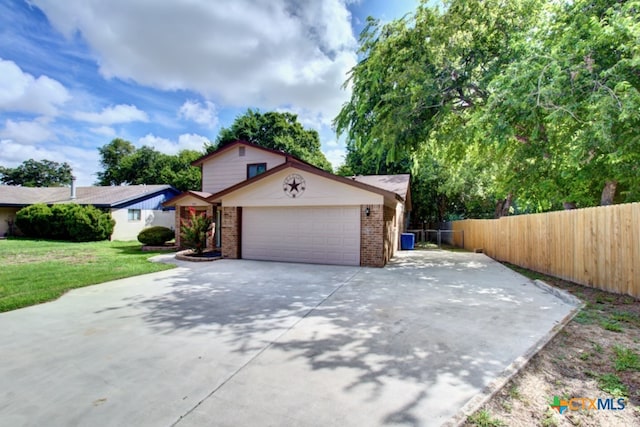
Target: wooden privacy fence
{"x":597,"y":247}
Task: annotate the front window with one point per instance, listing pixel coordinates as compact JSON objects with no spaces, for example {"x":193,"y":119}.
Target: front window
{"x":134,"y":214}
{"x":256,"y":169}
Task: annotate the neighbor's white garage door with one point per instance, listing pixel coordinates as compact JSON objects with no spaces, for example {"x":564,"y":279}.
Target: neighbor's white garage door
{"x":319,"y":235}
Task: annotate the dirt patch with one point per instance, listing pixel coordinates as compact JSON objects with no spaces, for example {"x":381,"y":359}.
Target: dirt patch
{"x":597,"y":355}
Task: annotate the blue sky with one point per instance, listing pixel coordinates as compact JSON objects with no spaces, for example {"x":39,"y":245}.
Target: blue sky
{"x":75,"y":74}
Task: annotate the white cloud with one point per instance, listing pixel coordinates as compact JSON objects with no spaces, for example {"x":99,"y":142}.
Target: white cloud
{"x":187,"y":141}
{"x":27,"y":132}
{"x":333,"y":143}
{"x":192,"y":141}
{"x":336,"y":157}
{"x":261,"y":53}
{"x":83,"y":162}
{"x":203,"y":114}
{"x":114,"y":114}
{"x":309,"y":119}
{"x":104,"y":130}
{"x":21,"y":92}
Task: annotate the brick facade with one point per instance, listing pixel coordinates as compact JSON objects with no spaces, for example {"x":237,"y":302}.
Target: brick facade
{"x":231,"y":220}
{"x":372,"y":252}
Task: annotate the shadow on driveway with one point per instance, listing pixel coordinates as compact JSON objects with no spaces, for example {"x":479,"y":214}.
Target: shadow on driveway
{"x":238,"y":342}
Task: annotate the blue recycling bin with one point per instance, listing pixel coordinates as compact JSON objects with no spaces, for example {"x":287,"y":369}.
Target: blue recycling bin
{"x":407,"y":241}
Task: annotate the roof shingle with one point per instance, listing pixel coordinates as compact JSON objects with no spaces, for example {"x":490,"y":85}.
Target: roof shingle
{"x":98,"y":196}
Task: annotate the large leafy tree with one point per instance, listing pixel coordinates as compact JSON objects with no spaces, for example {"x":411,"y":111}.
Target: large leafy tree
{"x":33,"y":173}
{"x":415,"y":93}
{"x":125,"y":164}
{"x":418,"y":71}
{"x":278,"y":131}
{"x":568,"y":111}
{"x":111,"y":157}
{"x":538,"y":99}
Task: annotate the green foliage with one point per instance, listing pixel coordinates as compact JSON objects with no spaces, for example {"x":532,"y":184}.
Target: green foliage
{"x":277,"y":131}
{"x":34,"y":220}
{"x":111,"y":157}
{"x":535,"y":99}
{"x":124,"y":164}
{"x":549,"y":419}
{"x":32,"y":173}
{"x":194,"y":231}
{"x":611,"y":325}
{"x":568,"y":108}
{"x":65,"y":222}
{"x":156,"y":235}
{"x":626,"y":359}
{"x":483,"y":418}
{"x":58,"y":222}
{"x":626,"y":316}
{"x":88,"y":224}
{"x":611,"y":384}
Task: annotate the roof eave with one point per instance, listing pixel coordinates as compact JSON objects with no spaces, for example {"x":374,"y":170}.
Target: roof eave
{"x":294,"y":163}
{"x":139,"y":197}
{"x":172,"y":201}
{"x":206,"y":157}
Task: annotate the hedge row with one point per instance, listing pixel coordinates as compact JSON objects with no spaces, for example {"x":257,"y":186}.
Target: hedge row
{"x":65,"y":222}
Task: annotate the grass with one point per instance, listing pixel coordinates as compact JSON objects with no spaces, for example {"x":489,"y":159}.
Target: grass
{"x":612,"y":384}
{"x":483,"y":418}
{"x":549,"y":419}
{"x":626,"y":359}
{"x":610,"y":325}
{"x":36,"y":271}
{"x":625,"y":316}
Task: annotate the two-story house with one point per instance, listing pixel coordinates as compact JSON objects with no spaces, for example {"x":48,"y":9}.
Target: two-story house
{"x":269,"y":205}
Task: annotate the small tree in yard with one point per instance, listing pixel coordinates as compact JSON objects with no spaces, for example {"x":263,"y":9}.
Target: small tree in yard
{"x":194,"y":231}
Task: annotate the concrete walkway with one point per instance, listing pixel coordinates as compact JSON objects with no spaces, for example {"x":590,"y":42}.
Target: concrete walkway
{"x":246,"y":343}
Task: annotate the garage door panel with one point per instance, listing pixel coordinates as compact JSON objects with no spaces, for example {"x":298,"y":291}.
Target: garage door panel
{"x":323,"y":235}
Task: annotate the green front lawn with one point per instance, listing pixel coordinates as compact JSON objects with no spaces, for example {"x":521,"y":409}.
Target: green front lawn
{"x":35,"y":271}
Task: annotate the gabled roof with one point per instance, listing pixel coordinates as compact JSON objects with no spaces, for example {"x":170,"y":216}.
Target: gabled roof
{"x":294,"y":163}
{"x":231,"y":145}
{"x":106,"y":197}
{"x":201,"y":195}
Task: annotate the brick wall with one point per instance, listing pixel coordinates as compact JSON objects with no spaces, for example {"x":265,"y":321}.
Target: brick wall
{"x":230,"y":232}
{"x":372,"y":236}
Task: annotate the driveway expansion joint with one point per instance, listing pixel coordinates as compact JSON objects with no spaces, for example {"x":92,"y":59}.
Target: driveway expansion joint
{"x":262,"y":350}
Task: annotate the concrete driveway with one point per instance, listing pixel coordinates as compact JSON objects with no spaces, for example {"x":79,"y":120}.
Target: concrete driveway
{"x":246,"y":343}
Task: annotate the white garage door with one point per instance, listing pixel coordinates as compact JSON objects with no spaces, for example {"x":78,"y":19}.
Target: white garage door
{"x":318,"y":235}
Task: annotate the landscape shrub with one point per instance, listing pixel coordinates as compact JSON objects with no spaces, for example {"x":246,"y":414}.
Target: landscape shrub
{"x":65,"y":222}
{"x":57,"y":227}
{"x":156,"y":235}
{"x":35,"y":220}
{"x":195,"y":230}
{"x":88,"y":224}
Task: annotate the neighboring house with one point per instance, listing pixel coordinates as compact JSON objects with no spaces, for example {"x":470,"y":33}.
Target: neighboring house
{"x":268,"y":205}
{"x":133,"y":207}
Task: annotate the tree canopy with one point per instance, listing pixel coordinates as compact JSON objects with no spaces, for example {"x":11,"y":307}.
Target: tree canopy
{"x":277,"y":131}
{"x":125,"y":164}
{"x":33,"y":173}
{"x":529,"y":104}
